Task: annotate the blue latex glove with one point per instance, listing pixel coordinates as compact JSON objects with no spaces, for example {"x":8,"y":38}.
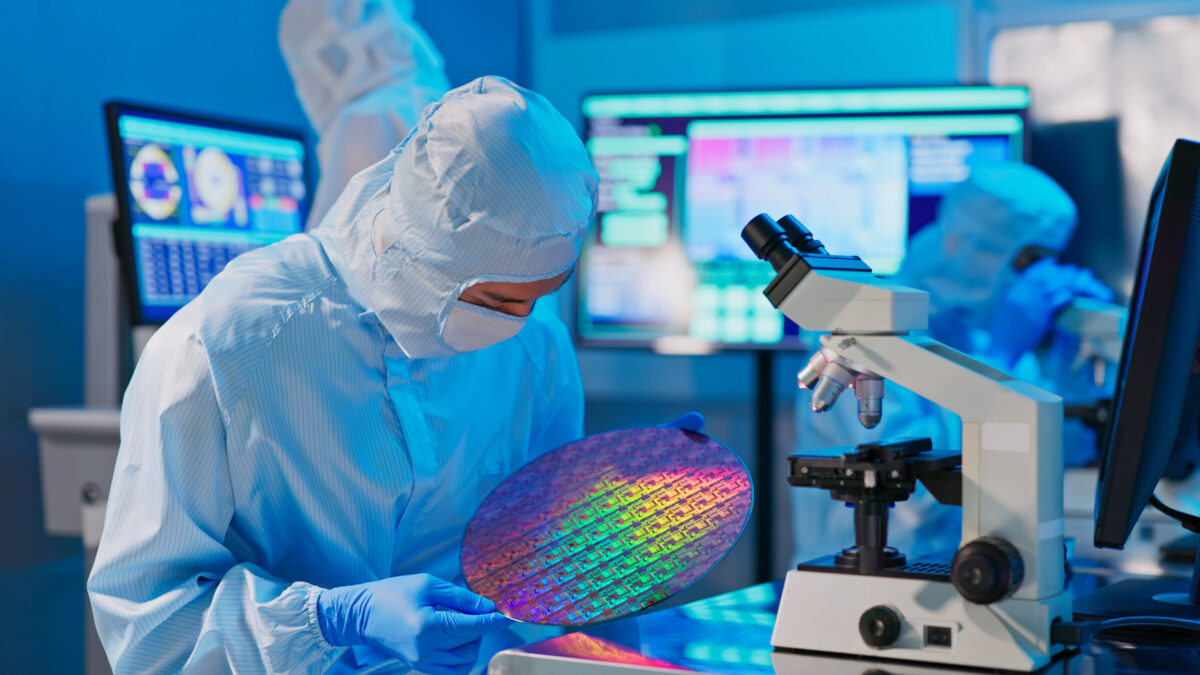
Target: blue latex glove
{"x":688,"y":421}
{"x":1023,"y":316}
{"x":428,"y":623}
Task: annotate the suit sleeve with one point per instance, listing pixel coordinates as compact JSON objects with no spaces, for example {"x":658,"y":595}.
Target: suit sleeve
{"x":166,"y":593}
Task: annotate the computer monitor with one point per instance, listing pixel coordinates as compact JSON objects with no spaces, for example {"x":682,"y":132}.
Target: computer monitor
{"x":681,"y":173}
{"x":1157,"y":398}
{"x":193,"y":193}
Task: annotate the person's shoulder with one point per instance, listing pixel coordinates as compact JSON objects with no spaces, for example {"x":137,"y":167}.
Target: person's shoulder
{"x":258,"y":289}
{"x":255,"y":299}
{"x":284,"y":268}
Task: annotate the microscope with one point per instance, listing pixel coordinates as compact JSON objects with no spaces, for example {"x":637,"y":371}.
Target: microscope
{"x":1100,"y":327}
{"x":994,"y":604}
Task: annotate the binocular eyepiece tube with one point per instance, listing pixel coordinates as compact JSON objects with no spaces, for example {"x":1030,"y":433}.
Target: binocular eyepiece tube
{"x":776,"y":242}
{"x":769,"y":242}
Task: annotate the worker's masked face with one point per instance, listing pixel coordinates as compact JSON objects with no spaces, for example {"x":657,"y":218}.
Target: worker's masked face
{"x":469,"y":328}
{"x":491,"y":186}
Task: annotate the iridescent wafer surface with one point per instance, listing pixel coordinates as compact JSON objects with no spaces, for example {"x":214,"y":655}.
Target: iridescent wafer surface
{"x":607,"y":525}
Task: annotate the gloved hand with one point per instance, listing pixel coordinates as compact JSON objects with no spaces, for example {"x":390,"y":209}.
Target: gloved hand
{"x":1023,"y":316}
{"x":429,"y":623}
{"x":688,"y":421}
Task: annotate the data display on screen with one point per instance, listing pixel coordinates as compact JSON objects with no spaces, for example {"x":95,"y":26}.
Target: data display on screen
{"x":197,"y":196}
{"x":682,"y":173}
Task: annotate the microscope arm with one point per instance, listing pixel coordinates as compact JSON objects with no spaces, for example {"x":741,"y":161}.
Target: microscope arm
{"x":1011,"y":445}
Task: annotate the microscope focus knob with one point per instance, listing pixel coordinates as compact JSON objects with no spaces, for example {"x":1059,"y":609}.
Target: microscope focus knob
{"x":987,"y":570}
{"x":879,"y":626}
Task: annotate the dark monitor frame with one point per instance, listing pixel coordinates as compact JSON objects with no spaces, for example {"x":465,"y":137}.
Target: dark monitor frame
{"x":123,"y":225}
{"x":787,"y":345}
{"x":1158,"y":386}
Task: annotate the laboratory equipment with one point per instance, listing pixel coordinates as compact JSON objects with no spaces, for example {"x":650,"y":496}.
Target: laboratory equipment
{"x":730,"y":634}
{"x":726,"y":634}
{"x":994,"y":604}
{"x":193,"y":193}
{"x":77,"y":446}
{"x":1157,"y":402}
{"x":607,"y":525}
{"x":676,"y":169}
{"x":1100,"y":328}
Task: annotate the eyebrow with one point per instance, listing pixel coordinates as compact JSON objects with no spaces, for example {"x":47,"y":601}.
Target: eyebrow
{"x":504,"y":299}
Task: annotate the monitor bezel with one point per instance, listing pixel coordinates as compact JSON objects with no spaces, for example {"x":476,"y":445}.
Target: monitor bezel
{"x":679,"y":344}
{"x":123,"y":225}
{"x":1122,"y":464}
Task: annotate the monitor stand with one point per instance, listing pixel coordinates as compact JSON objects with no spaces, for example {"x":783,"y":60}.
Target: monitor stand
{"x":1165,"y":596}
{"x":1181,"y":550}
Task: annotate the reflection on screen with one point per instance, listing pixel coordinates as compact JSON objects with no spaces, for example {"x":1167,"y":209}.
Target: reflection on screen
{"x":585,"y":647}
{"x":682,"y":173}
{"x":200,"y":196}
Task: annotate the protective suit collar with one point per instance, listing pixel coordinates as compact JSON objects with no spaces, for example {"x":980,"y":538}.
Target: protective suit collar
{"x":491,"y":185}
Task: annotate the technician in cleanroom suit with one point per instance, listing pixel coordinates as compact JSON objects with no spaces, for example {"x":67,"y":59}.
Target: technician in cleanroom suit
{"x":304,"y":443}
{"x":994,"y":288}
{"x":364,"y":71}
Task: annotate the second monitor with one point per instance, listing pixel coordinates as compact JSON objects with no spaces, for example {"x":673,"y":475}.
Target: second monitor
{"x":680,"y":172}
{"x":193,"y":193}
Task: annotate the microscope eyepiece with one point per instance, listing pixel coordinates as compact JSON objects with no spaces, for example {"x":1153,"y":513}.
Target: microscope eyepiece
{"x":800,"y":236}
{"x":769,"y":241}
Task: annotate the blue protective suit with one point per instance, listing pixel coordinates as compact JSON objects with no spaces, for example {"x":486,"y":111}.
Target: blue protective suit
{"x":363,"y":70}
{"x":302,"y":424}
{"x":964,"y":260}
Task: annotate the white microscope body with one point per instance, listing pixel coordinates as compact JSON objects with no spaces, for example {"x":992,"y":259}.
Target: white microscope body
{"x":1100,"y":327}
{"x":1011,"y":493}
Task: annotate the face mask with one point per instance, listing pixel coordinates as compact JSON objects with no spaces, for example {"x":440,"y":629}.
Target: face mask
{"x":469,"y":328}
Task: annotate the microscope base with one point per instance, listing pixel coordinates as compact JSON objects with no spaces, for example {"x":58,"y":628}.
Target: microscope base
{"x":820,"y":612}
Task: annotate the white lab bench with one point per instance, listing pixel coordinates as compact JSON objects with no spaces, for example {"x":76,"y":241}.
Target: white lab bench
{"x":731,"y":634}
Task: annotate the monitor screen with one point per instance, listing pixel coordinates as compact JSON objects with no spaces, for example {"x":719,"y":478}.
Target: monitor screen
{"x":681,"y":174}
{"x":1157,"y":395}
{"x":193,"y":193}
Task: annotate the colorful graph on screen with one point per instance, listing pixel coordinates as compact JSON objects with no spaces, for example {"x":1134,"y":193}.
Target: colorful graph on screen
{"x":607,"y":526}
